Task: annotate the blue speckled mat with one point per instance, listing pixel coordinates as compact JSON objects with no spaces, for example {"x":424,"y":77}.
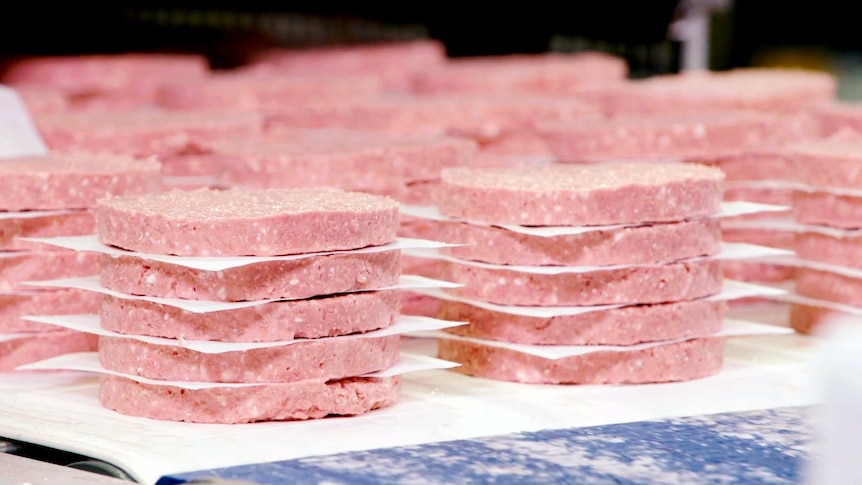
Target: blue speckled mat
{"x":759,"y":447}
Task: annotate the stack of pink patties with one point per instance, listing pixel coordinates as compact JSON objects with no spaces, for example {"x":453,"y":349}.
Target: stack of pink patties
{"x":105,"y":82}
{"x":178,"y":139}
{"x":663,"y":227}
{"x":48,"y":196}
{"x":326,"y":296}
{"x":830,"y":240}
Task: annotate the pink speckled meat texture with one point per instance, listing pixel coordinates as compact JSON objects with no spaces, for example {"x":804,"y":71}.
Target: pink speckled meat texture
{"x":250,"y":91}
{"x":547,"y":74}
{"x":394,"y":63}
{"x":340,"y":158}
{"x":43,"y":345}
{"x":827,"y":209}
{"x":668,"y":136}
{"x":812,"y":320}
{"x":840,"y":118}
{"x":823,"y":285}
{"x":674,"y":362}
{"x":631,"y":285}
{"x":754,"y":165}
{"x":302,"y":278}
{"x":657,"y":243}
{"x":761,"y":237}
{"x":757,"y":272}
{"x":72,"y":180}
{"x":40,"y":100}
{"x":778,"y":90}
{"x":581,"y":195}
{"x":247,"y":222}
{"x":131,"y":78}
{"x":286,"y":320}
{"x":419,"y":228}
{"x":479,"y":117}
{"x":291,"y":401}
{"x":828,"y":163}
{"x":22,"y":266}
{"x":72,"y":224}
{"x":13,"y":306}
{"x":842,"y":251}
{"x":526,"y":143}
{"x":621,"y":326}
{"x":421,"y":305}
{"x":322,"y":359}
{"x":420,"y":192}
{"x":144,"y":133}
{"x":191,"y":165}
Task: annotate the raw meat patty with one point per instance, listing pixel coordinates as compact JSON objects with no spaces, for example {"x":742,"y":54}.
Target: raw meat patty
{"x":249,"y":91}
{"x":43,"y":345}
{"x":13,"y":306}
{"x":18,"y":267}
{"x":782,"y":197}
{"x":421,"y":305}
{"x":269,"y":402}
{"x":395,"y":63}
{"x":811,"y":320}
{"x":302,"y":278}
{"x":324,"y":359}
{"x":828,"y":209}
{"x":340,"y":158}
{"x":72,"y":180}
{"x":621,"y":326}
{"x":633,"y":285}
{"x":548,"y":74}
{"x":247,"y":222}
{"x":683,"y":361}
{"x":822,"y":285}
{"x":72,"y":224}
{"x":759,"y":272}
{"x":762,"y":237}
{"x":144,"y":133}
{"x":419,"y":228}
{"x":580,"y":195}
{"x":839,"y":118}
{"x":311,"y":318}
{"x":632,"y":245}
{"x":778,"y":90}
{"x":754,"y":165}
{"x":843,"y":251}
{"x":667,"y":136}
{"x":829,"y":163}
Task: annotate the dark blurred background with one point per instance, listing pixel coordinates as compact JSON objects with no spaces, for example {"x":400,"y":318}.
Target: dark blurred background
{"x":819,"y":35}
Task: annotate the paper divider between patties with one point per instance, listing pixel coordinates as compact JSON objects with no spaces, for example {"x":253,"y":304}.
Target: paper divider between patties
{"x":731,"y":328}
{"x":729,"y":209}
{"x":90,"y":324}
{"x":730,"y":251}
{"x":89,"y":362}
{"x":732,"y":290}
{"x":35,"y":214}
{"x":8,"y":337}
{"x":90,"y":243}
{"x":405,"y":282}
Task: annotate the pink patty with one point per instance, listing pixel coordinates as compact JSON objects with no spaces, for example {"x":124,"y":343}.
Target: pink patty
{"x":762,"y":237}
{"x":649,"y":244}
{"x":840,"y":116}
{"x":523,"y":73}
{"x":13,"y":306}
{"x":16,"y":268}
{"x":43,"y":345}
{"x":823,"y":285}
{"x":316,"y":359}
{"x":810,"y":319}
{"x":843,"y":251}
{"x":582,"y":194}
{"x":340,"y":158}
{"x":622,"y":326}
{"x":302,"y":400}
{"x":313,"y":318}
{"x":303,"y":278}
{"x":753,"y":166}
{"x":782,"y":197}
{"x":247,"y":222}
{"x":664,"y":136}
{"x":760,"y":272}
{"x":666,"y":363}
{"x":828,"y":209}
{"x":829,"y":163}
{"x":650,"y":284}
{"x":74,"y":224}
{"x":72,"y":181}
